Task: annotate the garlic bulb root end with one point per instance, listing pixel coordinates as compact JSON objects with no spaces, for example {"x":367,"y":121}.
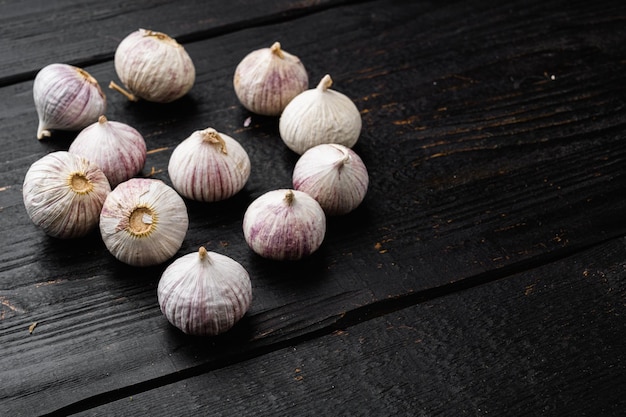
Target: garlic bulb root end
{"x":79,"y":183}
{"x":141,"y":221}
{"x":114,"y":86}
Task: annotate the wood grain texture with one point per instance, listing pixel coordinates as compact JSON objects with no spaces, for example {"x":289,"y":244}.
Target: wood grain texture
{"x":492,"y":133}
{"x":86,"y":32}
{"x":508,"y":348}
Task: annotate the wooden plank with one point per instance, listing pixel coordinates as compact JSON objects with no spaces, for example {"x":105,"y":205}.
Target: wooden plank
{"x":548,"y":341}
{"x":480,"y":166}
{"x":86,"y":32}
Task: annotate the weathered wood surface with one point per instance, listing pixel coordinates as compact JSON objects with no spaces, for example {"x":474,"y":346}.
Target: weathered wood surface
{"x":493,"y":135}
{"x":504,"y":349}
{"x":87,"y":32}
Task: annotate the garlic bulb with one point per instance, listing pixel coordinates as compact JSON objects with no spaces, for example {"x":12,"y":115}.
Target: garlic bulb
{"x":204,"y":293}
{"x":284,"y":225}
{"x":64,"y":193}
{"x":117,"y":148}
{"x":334,"y":175}
{"x":209,"y":166}
{"x":153,"y":66}
{"x":268,"y":78}
{"x":143,"y":222}
{"x":320,"y":115}
{"x":66,"y":98}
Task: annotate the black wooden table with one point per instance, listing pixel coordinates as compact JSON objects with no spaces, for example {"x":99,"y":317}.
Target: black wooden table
{"x":484,"y":274}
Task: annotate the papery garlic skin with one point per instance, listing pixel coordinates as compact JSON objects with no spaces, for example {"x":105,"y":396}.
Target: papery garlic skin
{"x":117,"y":148}
{"x":143,"y":222}
{"x":320,"y":115}
{"x":66,"y":98}
{"x":204,"y":293}
{"x":209,"y":166}
{"x":284,"y":225}
{"x":154,"y":67}
{"x":268,"y":78}
{"x":64,"y":193}
{"x":334,"y":175}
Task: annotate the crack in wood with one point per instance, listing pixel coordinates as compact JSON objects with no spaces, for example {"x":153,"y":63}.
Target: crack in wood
{"x":337,"y":325}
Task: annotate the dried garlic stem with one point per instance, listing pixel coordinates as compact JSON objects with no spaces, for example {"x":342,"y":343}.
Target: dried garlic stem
{"x":289,"y":198}
{"x":210,"y":135}
{"x":127,"y":94}
{"x":275,"y":48}
{"x":345,"y":159}
{"x":43,"y":133}
{"x":325,"y":83}
{"x":159,"y":35}
{"x":204,"y":255}
{"x":87,"y":76}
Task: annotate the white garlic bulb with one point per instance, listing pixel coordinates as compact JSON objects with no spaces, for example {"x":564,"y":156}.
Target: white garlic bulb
{"x":117,"y":148}
{"x":153,"y":66}
{"x":284,"y":225}
{"x":268,"y":78}
{"x":66,"y":98}
{"x":143,"y":222}
{"x":320,"y":115}
{"x":64,"y":193}
{"x":334,"y":175}
{"x":204,"y":293}
{"x":209,"y":166}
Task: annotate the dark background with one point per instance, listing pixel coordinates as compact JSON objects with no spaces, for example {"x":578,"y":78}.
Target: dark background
{"x":482,"y":275}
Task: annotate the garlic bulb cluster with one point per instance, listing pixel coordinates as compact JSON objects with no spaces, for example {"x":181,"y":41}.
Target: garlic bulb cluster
{"x":284,"y":225}
{"x":64,"y":193}
{"x":209,"y":166}
{"x":66,"y":98}
{"x":117,"y":148}
{"x":268,"y":78}
{"x":320,"y":115}
{"x":334,"y":175}
{"x":204,"y":293}
{"x":143,"y":222}
{"x":153,"y":66}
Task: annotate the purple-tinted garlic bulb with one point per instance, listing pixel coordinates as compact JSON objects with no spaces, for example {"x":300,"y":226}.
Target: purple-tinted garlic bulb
{"x":64,"y":193}
{"x":153,"y":67}
{"x":268,"y":78}
{"x":209,"y":166}
{"x":334,"y":175}
{"x":143,"y":222}
{"x":66,"y":98}
{"x":117,"y":148}
{"x":320,"y":115}
{"x":284,"y":225}
{"x":204,"y":293}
